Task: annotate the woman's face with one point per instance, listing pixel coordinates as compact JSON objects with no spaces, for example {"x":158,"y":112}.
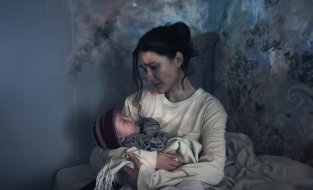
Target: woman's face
{"x":161,"y":71}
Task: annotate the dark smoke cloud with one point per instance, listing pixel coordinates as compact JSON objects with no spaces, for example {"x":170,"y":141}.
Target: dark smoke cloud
{"x":105,"y":32}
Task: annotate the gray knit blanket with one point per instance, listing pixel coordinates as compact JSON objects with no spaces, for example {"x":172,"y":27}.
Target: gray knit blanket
{"x":150,"y":137}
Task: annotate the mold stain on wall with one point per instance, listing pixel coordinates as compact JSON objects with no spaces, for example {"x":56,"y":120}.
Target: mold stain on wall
{"x":267,"y":83}
{"x":110,"y":28}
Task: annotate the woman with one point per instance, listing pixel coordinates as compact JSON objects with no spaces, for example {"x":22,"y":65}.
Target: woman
{"x":181,"y":109}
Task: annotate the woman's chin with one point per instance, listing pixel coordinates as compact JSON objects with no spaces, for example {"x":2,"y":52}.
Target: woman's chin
{"x":159,"y":89}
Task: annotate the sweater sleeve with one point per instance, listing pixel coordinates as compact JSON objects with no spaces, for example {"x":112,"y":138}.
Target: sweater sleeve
{"x":214,"y":145}
{"x":210,"y":168}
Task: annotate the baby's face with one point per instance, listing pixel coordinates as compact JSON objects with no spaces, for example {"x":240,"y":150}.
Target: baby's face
{"x":124,"y":126}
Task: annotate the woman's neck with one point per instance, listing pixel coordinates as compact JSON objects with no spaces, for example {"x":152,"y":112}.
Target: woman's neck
{"x":181,"y":91}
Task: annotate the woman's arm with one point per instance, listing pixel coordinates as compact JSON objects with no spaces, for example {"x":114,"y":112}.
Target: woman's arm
{"x":210,"y":168}
{"x":187,"y":147}
{"x":167,"y":161}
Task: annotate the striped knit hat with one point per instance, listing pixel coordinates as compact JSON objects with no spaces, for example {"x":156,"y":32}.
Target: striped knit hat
{"x":104,"y":130}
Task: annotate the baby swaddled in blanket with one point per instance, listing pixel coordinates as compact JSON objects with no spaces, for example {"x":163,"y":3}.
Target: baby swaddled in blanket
{"x":114,"y":130}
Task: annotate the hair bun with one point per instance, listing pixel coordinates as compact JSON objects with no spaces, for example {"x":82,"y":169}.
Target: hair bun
{"x":182,"y":29}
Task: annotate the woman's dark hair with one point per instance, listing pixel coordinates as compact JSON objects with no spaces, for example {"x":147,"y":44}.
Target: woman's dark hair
{"x":164,"y":40}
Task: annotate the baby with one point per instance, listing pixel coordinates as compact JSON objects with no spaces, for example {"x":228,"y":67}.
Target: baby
{"x":114,"y":129}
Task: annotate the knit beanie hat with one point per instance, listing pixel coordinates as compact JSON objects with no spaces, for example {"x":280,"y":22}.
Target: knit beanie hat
{"x":104,"y":130}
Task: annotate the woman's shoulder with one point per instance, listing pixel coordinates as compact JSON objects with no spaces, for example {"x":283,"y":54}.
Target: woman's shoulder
{"x":209,"y":100}
{"x":203,"y":95}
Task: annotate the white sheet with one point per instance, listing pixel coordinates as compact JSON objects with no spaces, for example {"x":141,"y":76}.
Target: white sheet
{"x":246,"y":171}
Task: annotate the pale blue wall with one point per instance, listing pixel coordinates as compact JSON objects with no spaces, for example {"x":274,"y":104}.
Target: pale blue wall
{"x":45,"y":115}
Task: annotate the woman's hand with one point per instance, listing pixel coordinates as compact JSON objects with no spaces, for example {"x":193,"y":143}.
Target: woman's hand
{"x":132,"y":174}
{"x":167,"y":161}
